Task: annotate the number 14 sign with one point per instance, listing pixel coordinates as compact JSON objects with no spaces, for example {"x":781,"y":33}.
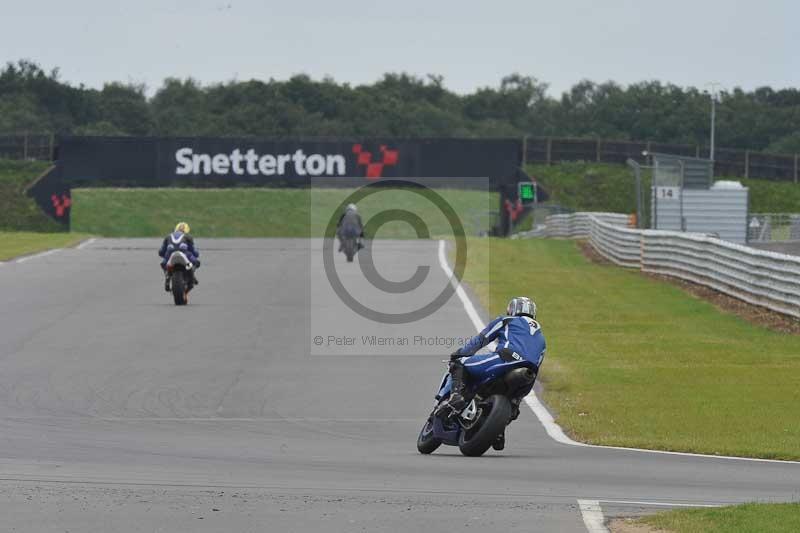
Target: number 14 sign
{"x":668,"y":193}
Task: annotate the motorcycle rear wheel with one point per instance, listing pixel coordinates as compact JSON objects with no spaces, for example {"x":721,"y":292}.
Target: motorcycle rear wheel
{"x":179,"y":288}
{"x":495,"y":414}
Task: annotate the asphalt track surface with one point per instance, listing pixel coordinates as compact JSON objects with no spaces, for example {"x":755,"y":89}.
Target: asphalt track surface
{"x":791,"y":248}
{"x":121,"y":412}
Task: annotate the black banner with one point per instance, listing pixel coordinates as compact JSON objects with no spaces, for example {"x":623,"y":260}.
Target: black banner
{"x":201,"y":162}
{"x":224,"y":162}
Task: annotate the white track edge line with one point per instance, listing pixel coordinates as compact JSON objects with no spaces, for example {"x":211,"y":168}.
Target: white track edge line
{"x":664,"y":504}
{"x":36,"y":256}
{"x":85,"y":243}
{"x":545,"y":418}
{"x":592,"y":515}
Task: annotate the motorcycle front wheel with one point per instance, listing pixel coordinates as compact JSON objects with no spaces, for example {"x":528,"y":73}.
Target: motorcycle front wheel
{"x":426,"y":442}
{"x":495,"y":413}
{"x":350,"y":249}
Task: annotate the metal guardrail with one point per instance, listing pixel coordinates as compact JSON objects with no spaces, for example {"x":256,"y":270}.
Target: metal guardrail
{"x":578,"y":224}
{"x":762,"y":278}
{"x":766,"y":279}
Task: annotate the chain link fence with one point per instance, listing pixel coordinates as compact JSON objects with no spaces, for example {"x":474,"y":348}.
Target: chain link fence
{"x":773,"y":227}
{"x":728,"y":162}
{"x":28,"y":146}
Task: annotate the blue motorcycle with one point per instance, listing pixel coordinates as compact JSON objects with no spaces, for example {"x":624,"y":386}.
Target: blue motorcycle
{"x":496,"y":393}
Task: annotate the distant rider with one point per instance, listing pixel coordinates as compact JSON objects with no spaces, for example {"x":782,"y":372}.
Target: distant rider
{"x":518,"y":336}
{"x":350,"y":225}
{"x":179,"y":240}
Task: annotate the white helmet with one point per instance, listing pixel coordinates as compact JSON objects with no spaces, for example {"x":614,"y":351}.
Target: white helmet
{"x":521,"y":306}
{"x":352,"y":207}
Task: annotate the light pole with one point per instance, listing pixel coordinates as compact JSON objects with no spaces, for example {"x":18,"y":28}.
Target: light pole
{"x":714,"y":94}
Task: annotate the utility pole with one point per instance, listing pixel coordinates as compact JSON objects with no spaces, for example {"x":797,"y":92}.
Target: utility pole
{"x":714,"y":94}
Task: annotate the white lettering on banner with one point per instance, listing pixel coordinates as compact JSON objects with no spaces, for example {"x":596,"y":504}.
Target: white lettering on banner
{"x":298,"y":159}
{"x":251,"y":159}
{"x":251,"y":163}
{"x":316,"y":165}
{"x":184,"y":159}
{"x":203,"y":159}
{"x":267,"y":165}
{"x":236,"y":159}
{"x":220,"y":164}
{"x":332,"y":160}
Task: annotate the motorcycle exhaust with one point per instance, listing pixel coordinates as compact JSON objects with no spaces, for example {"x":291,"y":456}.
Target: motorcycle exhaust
{"x":519,"y":377}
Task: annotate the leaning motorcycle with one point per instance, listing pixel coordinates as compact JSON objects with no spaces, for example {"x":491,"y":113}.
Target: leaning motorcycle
{"x":182,"y":280}
{"x":496,"y":394}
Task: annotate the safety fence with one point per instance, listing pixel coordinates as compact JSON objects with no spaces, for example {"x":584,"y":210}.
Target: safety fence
{"x":773,"y":227}
{"x":762,"y":278}
{"x":28,"y":146}
{"x":727,"y":161}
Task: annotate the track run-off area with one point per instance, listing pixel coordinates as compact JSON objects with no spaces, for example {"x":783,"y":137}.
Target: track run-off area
{"x":121,"y":412}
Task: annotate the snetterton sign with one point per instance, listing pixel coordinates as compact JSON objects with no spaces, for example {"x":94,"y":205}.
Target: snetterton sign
{"x":251,"y":163}
{"x":223,"y":162}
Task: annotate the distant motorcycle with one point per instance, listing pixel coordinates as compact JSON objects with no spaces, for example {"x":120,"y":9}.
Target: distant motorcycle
{"x":496,"y":396}
{"x":182,"y":280}
{"x":350,"y":241}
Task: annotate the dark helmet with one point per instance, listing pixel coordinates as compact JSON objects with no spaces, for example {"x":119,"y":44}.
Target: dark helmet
{"x":521,"y":306}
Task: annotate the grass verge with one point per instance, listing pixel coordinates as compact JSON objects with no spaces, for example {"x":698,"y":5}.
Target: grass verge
{"x":262,"y":212}
{"x":747,"y":518}
{"x":18,"y":211}
{"x":14,"y":244}
{"x":636,"y":362}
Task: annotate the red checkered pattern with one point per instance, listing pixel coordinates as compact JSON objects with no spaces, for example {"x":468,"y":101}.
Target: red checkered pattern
{"x":374,"y":169}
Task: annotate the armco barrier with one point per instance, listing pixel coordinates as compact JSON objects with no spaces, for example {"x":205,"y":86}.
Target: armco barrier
{"x":762,"y":278}
{"x":767,"y":279}
{"x":619,"y":245}
{"x":577,"y":225}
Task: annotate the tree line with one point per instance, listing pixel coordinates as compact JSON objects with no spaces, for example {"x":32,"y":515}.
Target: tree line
{"x":398,"y":105}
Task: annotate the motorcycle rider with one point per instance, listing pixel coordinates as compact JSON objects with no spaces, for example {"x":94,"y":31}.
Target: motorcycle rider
{"x":518,"y":335}
{"x":179,"y":240}
{"x":350,"y":224}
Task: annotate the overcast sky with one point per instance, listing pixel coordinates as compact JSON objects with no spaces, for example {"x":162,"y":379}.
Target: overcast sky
{"x":471,"y":43}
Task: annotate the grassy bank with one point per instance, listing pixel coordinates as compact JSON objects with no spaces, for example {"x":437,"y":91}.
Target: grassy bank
{"x":606,"y":187}
{"x":748,"y":518}
{"x":636,"y":362}
{"x":14,"y":244}
{"x":261,"y":212}
{"x":18,"y":211}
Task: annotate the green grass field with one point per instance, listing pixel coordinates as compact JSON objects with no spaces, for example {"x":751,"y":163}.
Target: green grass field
{"x":14,"y":244}
{"x":748,"y":518}
{"x":262,"y":212}
{"x":636,"y":362}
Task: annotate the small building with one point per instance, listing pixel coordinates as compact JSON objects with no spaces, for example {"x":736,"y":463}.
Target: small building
{"x":684,"y":198}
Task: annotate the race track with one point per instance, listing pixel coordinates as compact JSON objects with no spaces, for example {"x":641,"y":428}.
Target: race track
{"x":121,"y":412}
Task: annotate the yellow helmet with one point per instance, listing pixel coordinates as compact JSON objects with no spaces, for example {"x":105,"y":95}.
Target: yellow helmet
{"x":183,"y":227}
